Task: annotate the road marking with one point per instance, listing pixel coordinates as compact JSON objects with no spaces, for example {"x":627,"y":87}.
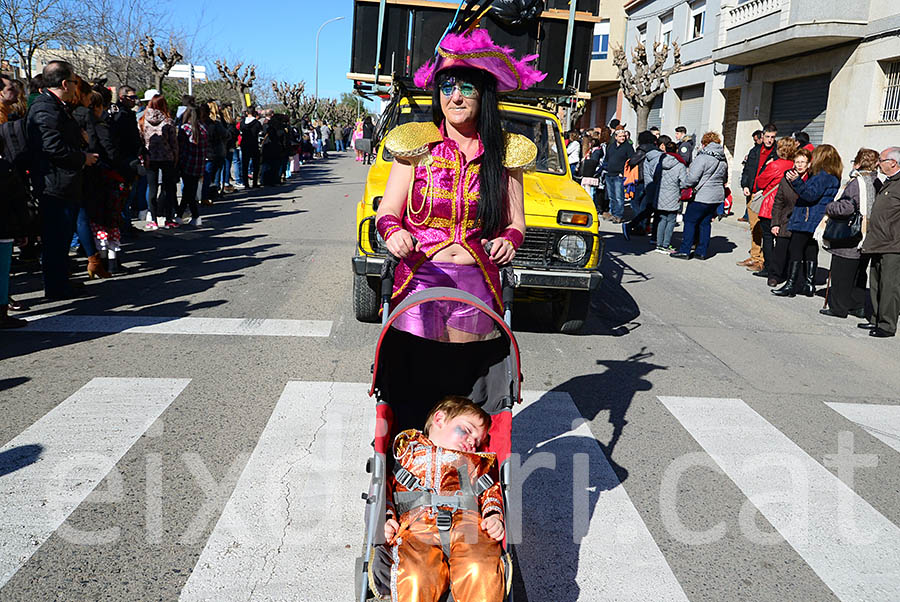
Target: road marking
{"x":162,"y":325}
{"x":850,"y":545}
{"x":293,"y":526}
{"x":53,"y":465}
{"x":617,"y":558}
{"x":880,"y":421}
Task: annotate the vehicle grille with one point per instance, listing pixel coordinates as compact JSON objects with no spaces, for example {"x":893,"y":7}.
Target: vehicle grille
{"x":539,"y":247}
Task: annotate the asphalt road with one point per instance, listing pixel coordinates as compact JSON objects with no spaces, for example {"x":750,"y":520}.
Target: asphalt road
{"x":711,"y":441}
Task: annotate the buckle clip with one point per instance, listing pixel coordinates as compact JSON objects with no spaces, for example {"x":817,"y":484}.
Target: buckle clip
{"x":444,"y":519}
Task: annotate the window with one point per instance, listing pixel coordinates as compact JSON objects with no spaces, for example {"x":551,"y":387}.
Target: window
{"x":600,"y":49}
{"x":890,"y":110}
{"x":642,"y":34}
{"x":697,"y":21}
{"x":665,"y":29}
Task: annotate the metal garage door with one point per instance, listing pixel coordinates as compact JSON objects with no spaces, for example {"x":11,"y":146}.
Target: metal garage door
{"x":655,"y":118}
{"x":691,"y":112}
{"x":799,"y":105}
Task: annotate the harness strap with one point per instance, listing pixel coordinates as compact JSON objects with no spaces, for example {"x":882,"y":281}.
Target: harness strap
{"x":404,"y":501}
{"x":483,"y":483}
{"x":407,"y":479}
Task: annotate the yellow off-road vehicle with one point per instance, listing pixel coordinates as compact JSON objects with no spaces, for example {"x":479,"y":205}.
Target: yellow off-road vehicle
{"x":558,"y":261}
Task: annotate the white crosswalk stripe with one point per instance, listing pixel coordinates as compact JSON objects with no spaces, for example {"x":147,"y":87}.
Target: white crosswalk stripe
{"x":180,"y":325}
{"x":53,"y":465}
{"x":293,"y":525}
{"x":852,"y":547}
{"x":880,"y":421}
{"x":285,"y":530}
{"x":611,"y":559}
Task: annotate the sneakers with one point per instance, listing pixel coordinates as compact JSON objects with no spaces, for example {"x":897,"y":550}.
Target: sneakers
{"x":662,"y":250}
{"x":172,"y":225}
{"x":151,"y":225}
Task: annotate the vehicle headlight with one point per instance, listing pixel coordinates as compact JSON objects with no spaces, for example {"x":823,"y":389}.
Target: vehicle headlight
{"x":574,"y":218}
{"x":571,"y":248}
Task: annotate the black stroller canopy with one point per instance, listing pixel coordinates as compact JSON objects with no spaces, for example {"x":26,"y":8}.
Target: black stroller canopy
{"x":412,"y":373}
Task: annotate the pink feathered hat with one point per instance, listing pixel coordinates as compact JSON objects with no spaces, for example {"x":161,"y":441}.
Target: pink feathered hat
{"x":478,"y":51}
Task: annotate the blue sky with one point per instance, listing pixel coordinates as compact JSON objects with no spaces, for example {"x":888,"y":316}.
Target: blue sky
{"x":280,"y":37}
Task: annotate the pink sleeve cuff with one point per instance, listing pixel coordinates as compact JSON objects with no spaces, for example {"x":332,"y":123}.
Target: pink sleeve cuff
{"x":387,"y":225}
{"x":514,"y":237}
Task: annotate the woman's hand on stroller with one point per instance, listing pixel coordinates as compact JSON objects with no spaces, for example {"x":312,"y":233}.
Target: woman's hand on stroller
{"x":492,"y":525}
{"x":401,"y":243}
{"x":500,"y":249}
{"x":391,"y":527}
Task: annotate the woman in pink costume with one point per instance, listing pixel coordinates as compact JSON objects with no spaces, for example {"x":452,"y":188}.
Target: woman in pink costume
{"x":456,"y":184}
{"x":357,"y":134}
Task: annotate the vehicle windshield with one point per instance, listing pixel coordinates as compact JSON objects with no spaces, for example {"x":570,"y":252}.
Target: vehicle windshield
{"x":540,"y":130}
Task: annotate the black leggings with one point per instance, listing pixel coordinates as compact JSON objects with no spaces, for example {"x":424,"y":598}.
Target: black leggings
{"x":803,"y":247}
{"x":164,"y":205}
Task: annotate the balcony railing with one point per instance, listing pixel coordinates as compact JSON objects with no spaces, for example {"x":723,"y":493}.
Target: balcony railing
{"x":744,"y":13}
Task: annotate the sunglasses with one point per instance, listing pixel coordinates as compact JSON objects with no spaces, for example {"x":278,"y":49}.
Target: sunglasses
{"x":465,"y":88}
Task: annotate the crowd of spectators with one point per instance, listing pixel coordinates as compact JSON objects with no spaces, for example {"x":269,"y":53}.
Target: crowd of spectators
{"x":77,"y":168}
{"x":798,"y":200}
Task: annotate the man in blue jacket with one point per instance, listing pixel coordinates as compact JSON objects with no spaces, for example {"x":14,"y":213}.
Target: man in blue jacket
{"x":618,"y":151}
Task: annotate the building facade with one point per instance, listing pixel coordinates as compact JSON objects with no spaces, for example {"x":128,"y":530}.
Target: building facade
{"x":603,"y":80}
{"x":694,"y":98}
{"x":830,"y":68}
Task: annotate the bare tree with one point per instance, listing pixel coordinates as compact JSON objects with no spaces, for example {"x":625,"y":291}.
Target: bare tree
{"x":291,"y":96}
{"x":150,"y":53}
{"x":239,"y":82}
{"x":116,"y":27}
{"x":27,"y":25}
{"x":648,"y":80}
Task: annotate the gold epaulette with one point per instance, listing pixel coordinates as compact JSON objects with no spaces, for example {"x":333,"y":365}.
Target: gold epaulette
{"x":411,"y":140}
{"x":521,"y":152}
{"x":401,"y":441}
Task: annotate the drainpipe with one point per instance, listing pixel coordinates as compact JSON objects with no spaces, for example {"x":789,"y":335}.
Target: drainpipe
{"x":570,"y":33}
{"x":381,"y":8}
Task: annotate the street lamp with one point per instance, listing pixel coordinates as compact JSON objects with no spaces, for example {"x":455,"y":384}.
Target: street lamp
{"x":316,"y":105}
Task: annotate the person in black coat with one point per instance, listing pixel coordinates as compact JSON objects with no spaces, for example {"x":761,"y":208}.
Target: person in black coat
{"x":251,"y":129}
{"x":58,"y":161}
{"x":368,"y":134}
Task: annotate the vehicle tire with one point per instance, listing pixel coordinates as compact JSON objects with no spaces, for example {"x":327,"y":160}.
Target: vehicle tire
{"x":365,"y":298}
{"x":572,"y":311}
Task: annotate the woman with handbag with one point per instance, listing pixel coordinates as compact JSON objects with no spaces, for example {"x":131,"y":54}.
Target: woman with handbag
{"x":844,"y":233}
{"x":768,"y":182}
{"x":813,"y":195}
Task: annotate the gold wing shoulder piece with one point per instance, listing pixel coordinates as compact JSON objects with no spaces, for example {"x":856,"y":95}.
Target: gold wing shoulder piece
{"x":521,"y":152}
{"x":411,"y":140}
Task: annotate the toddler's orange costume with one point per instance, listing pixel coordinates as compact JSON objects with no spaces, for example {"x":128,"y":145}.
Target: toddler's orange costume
{"x":438,"y":547}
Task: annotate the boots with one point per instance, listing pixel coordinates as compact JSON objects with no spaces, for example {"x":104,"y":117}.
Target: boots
{"x":95,"y":267}
{"x":808,"y":287}
{"x":9,"y":322}
{"x":794,"y":279}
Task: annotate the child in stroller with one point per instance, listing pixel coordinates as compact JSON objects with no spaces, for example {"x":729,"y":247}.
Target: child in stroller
{"x":445,"y":509}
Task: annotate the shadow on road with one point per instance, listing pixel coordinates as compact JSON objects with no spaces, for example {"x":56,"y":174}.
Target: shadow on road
{"x":559,"y":503}
{"x":192,"y":261}
{"x":19,"y":457}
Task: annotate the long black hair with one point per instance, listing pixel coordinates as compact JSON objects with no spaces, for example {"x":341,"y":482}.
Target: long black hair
{"x":491,"y":205}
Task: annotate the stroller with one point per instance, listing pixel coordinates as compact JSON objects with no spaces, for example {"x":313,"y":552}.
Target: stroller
{"x":410,"y":375}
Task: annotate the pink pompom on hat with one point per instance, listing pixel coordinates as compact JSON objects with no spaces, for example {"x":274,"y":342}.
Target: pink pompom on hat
{"x":477,"y":50}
